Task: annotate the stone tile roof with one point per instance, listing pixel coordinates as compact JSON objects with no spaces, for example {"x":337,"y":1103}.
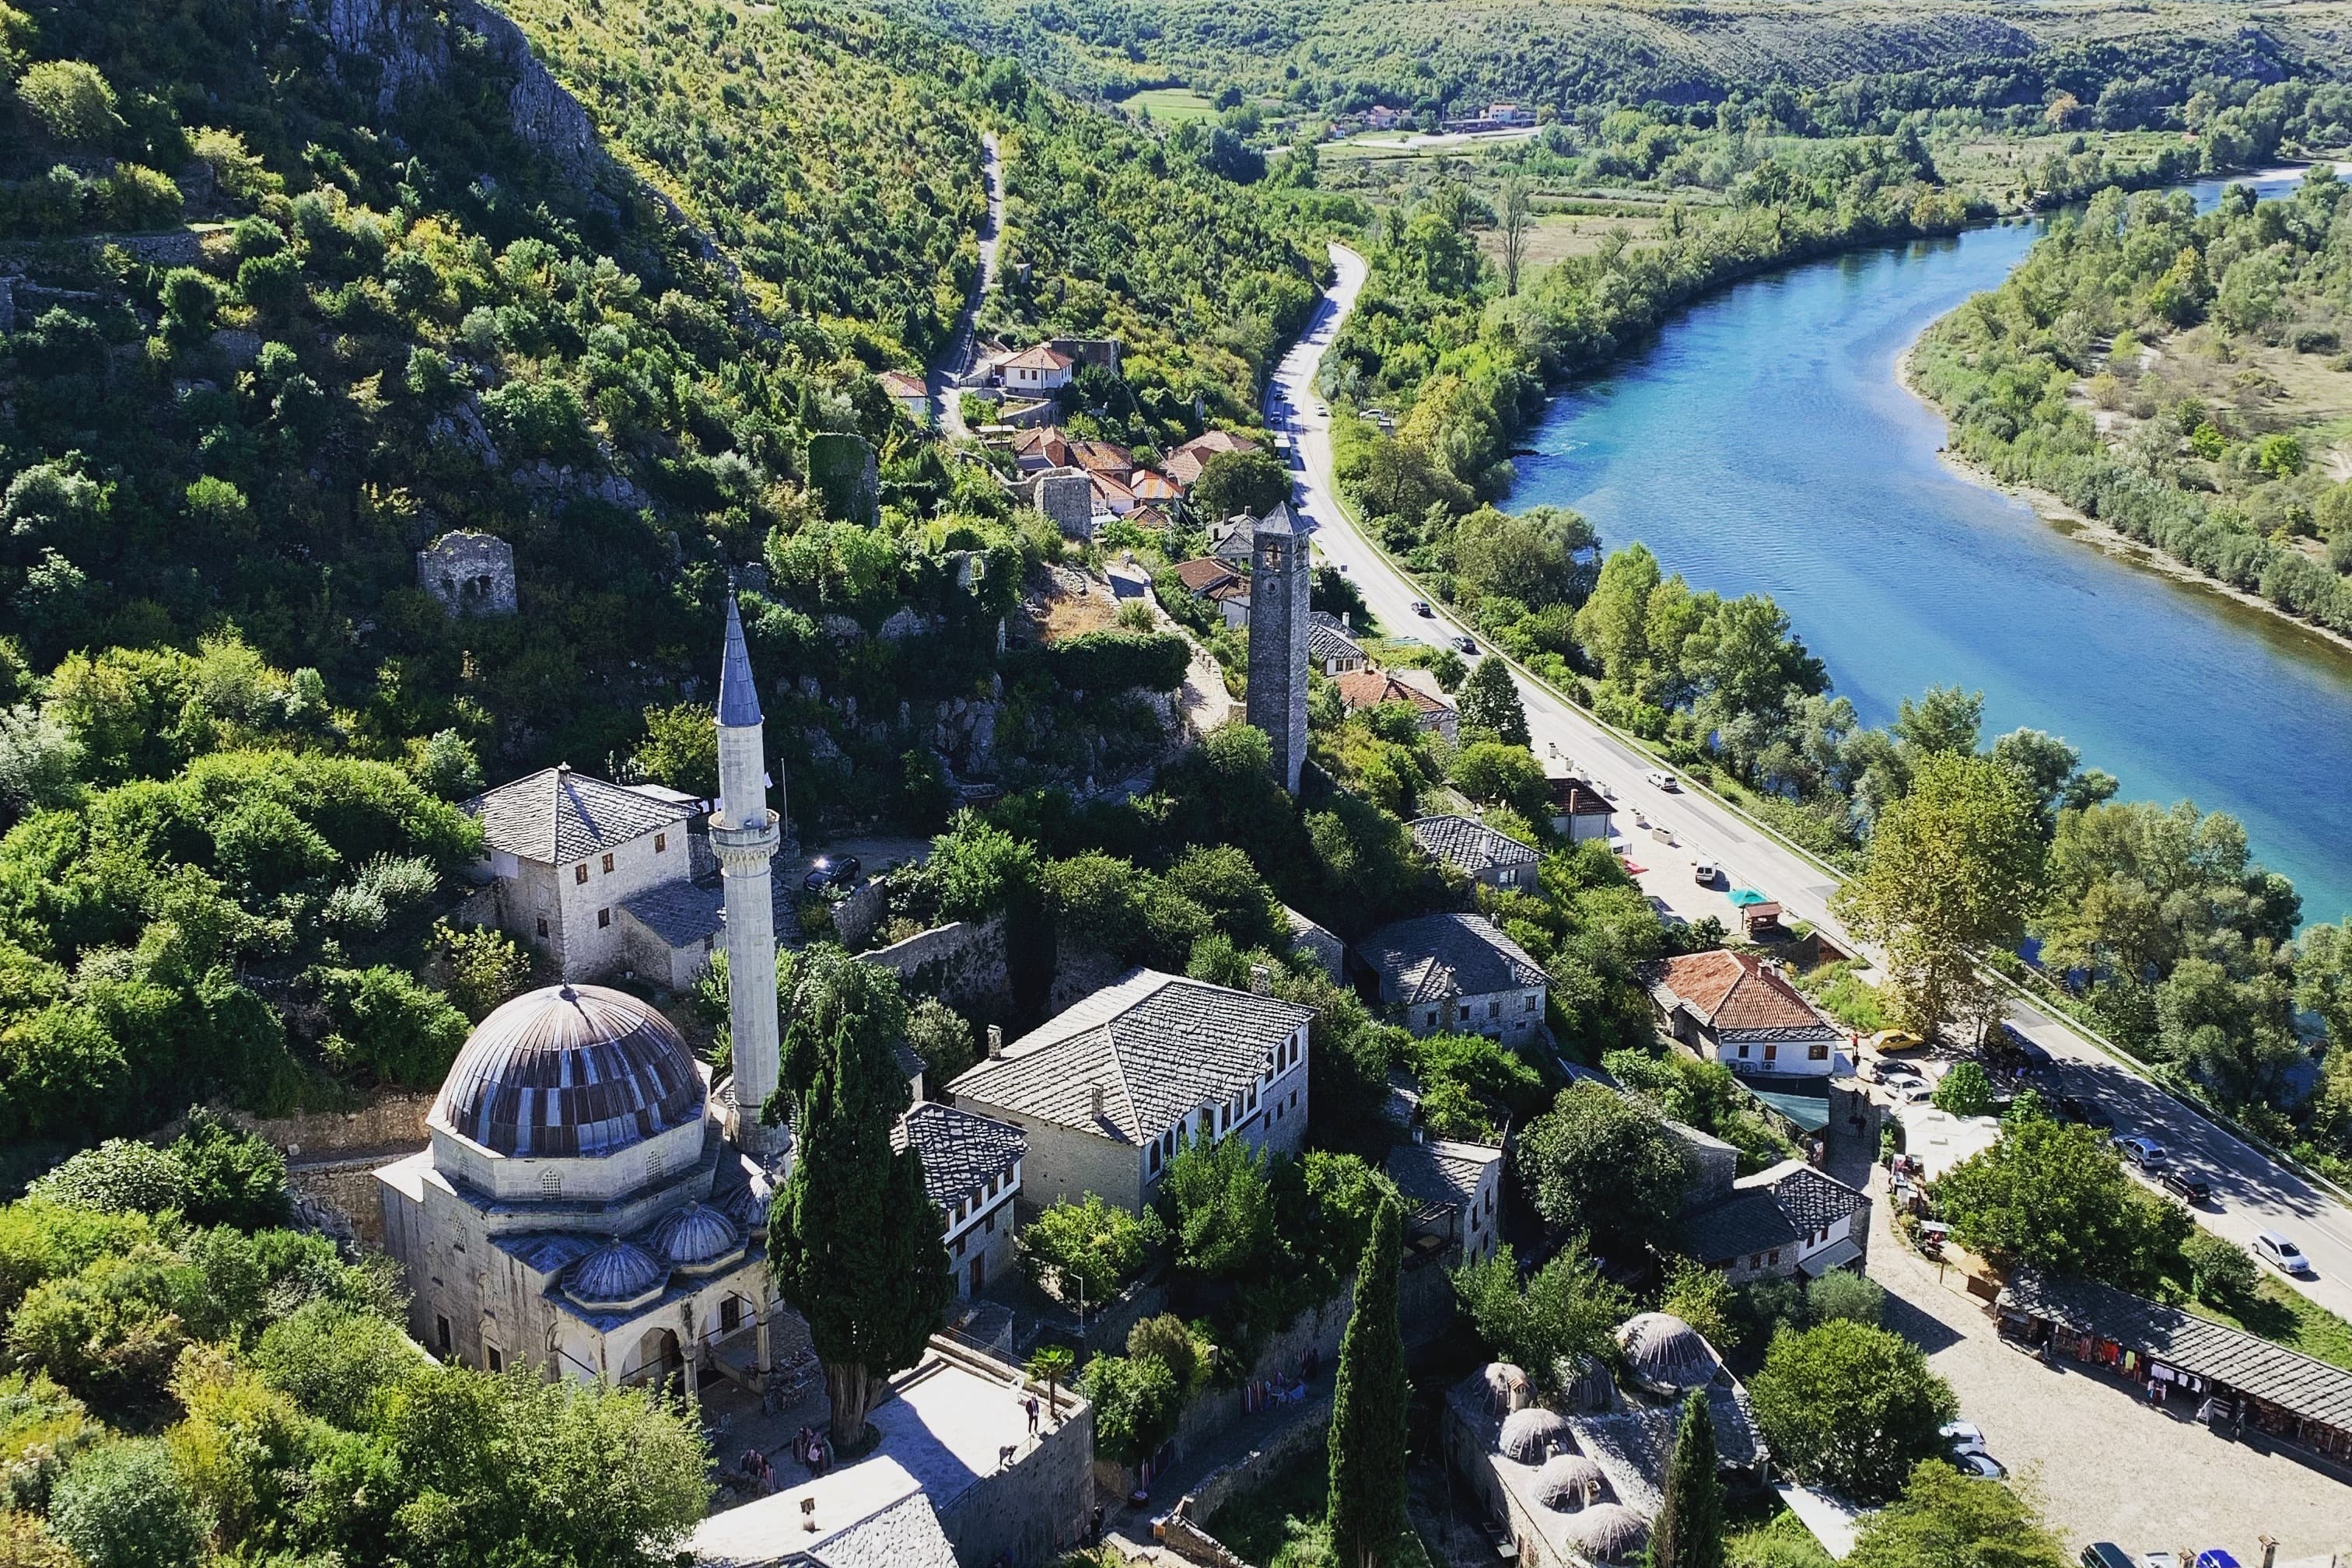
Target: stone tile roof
{"x":2293,"y":1382}
{"x":1633,"y":1445}
{"x":738,"y":693}
{"x":1744,"y":1223}
{"x":1468,"y":846}
{"x":1812,"y":1199}
{"x":962,"y":1151}
{"x":1158,"y":1045}
{"x":555,"y":815}
{"x":1370,"y":687}
{"x":1433,"y":956}
{"x":1737,"y":995}
{"x":683,"y":913}
{"x":1326,"y":641}
{"x":1438,"y":1170}
{"x":1103,"y":458}
{"x":1283,"y":520}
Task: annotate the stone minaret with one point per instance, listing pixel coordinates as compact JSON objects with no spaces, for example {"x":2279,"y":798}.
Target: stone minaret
{"x":745,"y":835}
{"x":1279,"y":583}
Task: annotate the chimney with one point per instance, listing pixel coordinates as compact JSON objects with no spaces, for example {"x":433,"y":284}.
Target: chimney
{"x":995,"y":1042}
{"x":1095,"y":1099}
{"x":1261,"y":980}
{"x":1344,"y":616}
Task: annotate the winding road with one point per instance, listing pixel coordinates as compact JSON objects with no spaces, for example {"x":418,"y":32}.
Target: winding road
{"x":957,"y":356}
{"x":2254,"y":1193}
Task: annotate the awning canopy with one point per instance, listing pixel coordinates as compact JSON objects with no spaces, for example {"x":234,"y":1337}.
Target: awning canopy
{"x":1837,"y":1254}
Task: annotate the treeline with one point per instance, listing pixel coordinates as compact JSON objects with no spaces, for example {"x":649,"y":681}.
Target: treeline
{"x":2131,"y":366}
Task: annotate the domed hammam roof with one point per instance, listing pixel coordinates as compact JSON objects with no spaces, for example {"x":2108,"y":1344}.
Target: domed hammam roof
{"x":1609,"y":1532}
{"x":1568,"y":1483}
{"x":1529,"y":1434}
{"x":569,"y":1070}
{"x":695,"y":1239}
{"x":1664,"y":1351}
{"x":616,"y":1277}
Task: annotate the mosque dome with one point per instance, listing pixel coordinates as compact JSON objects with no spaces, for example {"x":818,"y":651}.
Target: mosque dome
{"x":1608,"y":1532}
{"x":616,"y":1277}
{"x":695,"y":1239}
{"x":746,"y":1206}
{"x":1529,"y":1434}
{"x":571,"y":1071}
{"x":1663,"y":1351}
{"x":1568,"y":1483}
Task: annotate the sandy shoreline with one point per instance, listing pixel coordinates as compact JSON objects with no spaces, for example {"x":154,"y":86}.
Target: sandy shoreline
{"x":2104,"y":536}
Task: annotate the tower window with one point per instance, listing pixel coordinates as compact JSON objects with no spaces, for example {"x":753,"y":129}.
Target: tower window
{"x":543,"y":925}
{"x":497,"y":1360}
{"x":441,"y":1333}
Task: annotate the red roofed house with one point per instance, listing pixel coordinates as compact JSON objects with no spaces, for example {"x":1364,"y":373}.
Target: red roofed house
{"x":1037,"y":370}
{"x":1104,"y":458}
{"x":1110,"y":495}
{"x":1036,"y":450}
{"x":1185,"y":463}
{"x":1370,"y":687}
{"x":1154,"y":490}
{"x":907,"y":390}
{"x":1739,"y":1009}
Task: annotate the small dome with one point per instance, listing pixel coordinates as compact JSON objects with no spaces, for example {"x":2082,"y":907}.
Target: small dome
{"x":1506,"y":1387}
{"x":746,"y":1206}
{"x":1609,"y":1532}
{"x":1569,"y":1483}
{"x":571,"y":1071}
{"x":695,"y":1239}
{"x":617,"y":1276}
{"x":1590,"y":1386}
{"x":1664,"y":1351}
{"x":1529,"y":1434}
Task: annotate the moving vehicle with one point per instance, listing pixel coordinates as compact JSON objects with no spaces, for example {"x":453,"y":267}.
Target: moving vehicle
{"x":2190,"y":1190}
{"x":841,"y":873}
{"x":2283,"y":1256}
{"x":1659,"y":779}
{"x":1704,"y":873}
{"x":2085,"y":1112}
{"x":1421,"y":607}
{"x":2144,"y":1152}
{"x":1466,"y":643}
{"x":1322,"y":411}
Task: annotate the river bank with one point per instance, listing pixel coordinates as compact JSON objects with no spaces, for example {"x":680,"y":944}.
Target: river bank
{"x":2077,"y":524}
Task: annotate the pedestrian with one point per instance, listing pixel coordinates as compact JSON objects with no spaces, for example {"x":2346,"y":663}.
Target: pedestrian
{"x":1032,"y":1407}
{"x":1094,"y":1527}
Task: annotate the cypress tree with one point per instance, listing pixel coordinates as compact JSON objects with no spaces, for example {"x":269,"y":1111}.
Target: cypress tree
{"x":1490,"y":701}
{"x":1368,"y":1408}
{"x":854,"y":1240}
{"x":1688,"y":1532}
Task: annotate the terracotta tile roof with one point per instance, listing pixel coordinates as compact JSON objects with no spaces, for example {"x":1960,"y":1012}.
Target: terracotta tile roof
{"x":556,"y":815}
{"x":1109,"y":490}
{"x":902,"y":384}
{"x":1738,"y":993}
{"x":1150,"y":485}
{"x":1370,"y":687}
{"x":1205,"y":573}
{"x":1150,"y":516}
{"x":1103,"y":458}
{"x":1039,"y":357}
{"x":1571,"y":796}
{"x":1205,"y":447}
{"x":1183,"y":467}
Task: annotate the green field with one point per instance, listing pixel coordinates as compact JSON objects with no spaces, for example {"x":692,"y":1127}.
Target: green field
{"x":1169,"y":105}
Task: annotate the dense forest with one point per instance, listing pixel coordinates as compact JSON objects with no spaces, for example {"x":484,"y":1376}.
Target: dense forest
{"x":2175,"y":377}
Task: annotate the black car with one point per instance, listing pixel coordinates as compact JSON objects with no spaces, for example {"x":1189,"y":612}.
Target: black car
{"x":841,"y":873}
{"x":2070,"y":1109}
{"x":2009,"y":1044}
{"x":2188,"y":1189}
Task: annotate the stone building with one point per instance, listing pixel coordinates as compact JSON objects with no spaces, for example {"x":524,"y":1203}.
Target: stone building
{"x":972,"y":1169}
{"x":1739,"y":1009}
{"x":1278,"y":620}
{"x":1453,"y":1190}
{"x":471,"y":573}
{"x":563,"y":852}
{"x":1331,"y":645}
{"x":1791,"y":1220}
{"x":1108,"y":1090}
{"x":1494,"y":859}
{"x":1457,"y":974}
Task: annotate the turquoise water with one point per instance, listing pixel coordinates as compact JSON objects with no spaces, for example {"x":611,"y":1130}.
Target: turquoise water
{"x":1762,"y":444}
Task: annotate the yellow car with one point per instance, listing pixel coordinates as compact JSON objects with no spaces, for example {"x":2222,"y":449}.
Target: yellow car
{"x":1894,"y":1042}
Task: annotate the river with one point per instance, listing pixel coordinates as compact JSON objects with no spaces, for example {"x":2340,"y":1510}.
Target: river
{"x":1763,"y":444}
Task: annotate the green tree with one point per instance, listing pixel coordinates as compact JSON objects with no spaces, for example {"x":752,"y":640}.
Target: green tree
{"x":1222,"y":1206}
{"x":1091,"y":1246}
{"x":1944,"y":1519}
{"x":1542,"y":556}
{"x":1515,"y":216}
{"x":854,"y":1238}
{"x":2222,"y":1273}
{"x":1367,"y":1512}
{"x":1842,"y":1293}
{"x":1598,"y":1163}
{"x":70,"y":100}
{"x":1494,"y":773}
{"x":1614,"y":625}
{"x":1137,"y":1402}
{"x":1235,"y":484}
{"x":228,"y":1176}
{"x":1050,"y":1365}
{"x":1966,"y":1090}
{"x":942,"y":1037}
{"x":1954,"y":866}
{"x":124,"y":1505}
{"x":1851,"y":1407}
{"x":1489,"y":701}
{"x":2057,"y":1196}
{"x":1689,"y":1530}
{"x":1703,"y":1299}
{"x":681,"y":748}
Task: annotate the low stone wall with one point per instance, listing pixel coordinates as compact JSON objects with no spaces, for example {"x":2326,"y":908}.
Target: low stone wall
{"x":962,"y":963}
{"x":1222,"y":1485}
{"x":854,"y":918}
{"x":388,"y":1122}
{"x":1034,"y":1509}
{"x":342,"y":1194}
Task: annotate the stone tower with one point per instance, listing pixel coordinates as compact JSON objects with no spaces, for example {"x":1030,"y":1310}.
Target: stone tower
{"x":1279,"y":582}
{"x":745,"y":835}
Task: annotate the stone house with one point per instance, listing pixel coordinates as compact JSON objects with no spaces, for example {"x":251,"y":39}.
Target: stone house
{"x":1739,"y":1009}
{"x":972,"y":1169}
{"x":1579,"y":811}
{"x":1185,"y":463}
{"x":1791,"y":1220}
{"x":1318,"y":942}
{"x":1106,"y":1091}
{"x":1329,"y":647}
{"x":563,"y":851}
{"x":1370,"y":687}
{"x":1039,"y":372}
{"x":1451,"y":1191}
{"x":908,"y":390}
{"x":1477,"y":851}
{"x":1457,"y":973}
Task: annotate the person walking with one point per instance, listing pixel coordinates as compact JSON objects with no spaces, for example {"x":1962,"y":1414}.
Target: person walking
{"x":1031,"y":1404}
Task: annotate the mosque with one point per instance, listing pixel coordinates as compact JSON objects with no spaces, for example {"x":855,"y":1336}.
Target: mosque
{"x":592,"y":1203}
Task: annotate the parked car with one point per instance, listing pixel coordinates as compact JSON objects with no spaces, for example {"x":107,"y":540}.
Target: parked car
{"x":1421,"y":607}
{"x":2084,"y":1112}
{"x":1982,"y":1466}
{"x":842,"y":873}
{"x":2106,"y":1554}
{"x":1660,"y":779}
{"x":1963,"y":1437}
{"x":2010,"y":1043}
{"x":2144,"y":1152}
{"x":2215,"y":1557}
{"x":2159,"y":1560}
{"x":1912,"y":1090}
{"x":1891,"y":1041}
{"x":2190,"y":1190}
{"x":1468,"y":644}
{"x":2282,"y":1255}
{"x":1704,"y":873}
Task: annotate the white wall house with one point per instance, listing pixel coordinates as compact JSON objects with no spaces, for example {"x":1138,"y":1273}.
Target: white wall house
{"x":563,"y":850}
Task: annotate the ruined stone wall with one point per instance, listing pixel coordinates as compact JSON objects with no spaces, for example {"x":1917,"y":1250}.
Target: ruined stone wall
{"x":470,"y":574}
{"x":962,"y":963}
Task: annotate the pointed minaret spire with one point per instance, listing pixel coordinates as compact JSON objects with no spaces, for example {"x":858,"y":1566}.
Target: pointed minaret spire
{"x":739,"y":694}
{"x":745,"y":834}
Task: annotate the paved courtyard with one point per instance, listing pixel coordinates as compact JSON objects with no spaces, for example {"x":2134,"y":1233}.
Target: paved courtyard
{"x":2104,"y":1464}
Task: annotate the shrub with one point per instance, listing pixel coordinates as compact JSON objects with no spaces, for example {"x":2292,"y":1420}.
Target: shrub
{"x":1114,"y":661}
{"x":1965,"y":1090}
{"x":2222,"y":1273}
{"x":386,"y":1024}
{"x":1091,"y":1244}
{"x":125,"y":1506}
{"x":118,"y":1177}
{"x":1137,"y":1401}
{"x":69,"y":101}
{"x":1844,"y":1294}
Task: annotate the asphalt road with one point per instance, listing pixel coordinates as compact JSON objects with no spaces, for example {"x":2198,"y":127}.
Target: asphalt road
{"x":2251,"y":1192}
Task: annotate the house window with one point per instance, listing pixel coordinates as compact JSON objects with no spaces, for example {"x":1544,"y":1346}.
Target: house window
{"x":1155,"y":1160}
{"x":604,"y":919}
{"x":1755,"y":1260}
{"x":988,"y":1225}
{"x":661,"y":842}
{"x":1743,"y":1053}
{"x":580,"y":872}
{"x":1507,"y":876}
{"x":497,"y":1361}
{"x":1294,"y":1099}
{"x":1819,"y":1052}
{"x":1432,"y":1017}
{"x":1771,"y":1053}
{"x":960,"y":1241}
{"x":1495,"y":1009}
{"x":1773,"y":1257}
{"x":1474,"y":1219}
{"x":441,"y":1333}
{"x":730,"y":1314}
{"x":543,"y":925}
{"x":1535,"y":1002}
{"x":608,"y":865}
